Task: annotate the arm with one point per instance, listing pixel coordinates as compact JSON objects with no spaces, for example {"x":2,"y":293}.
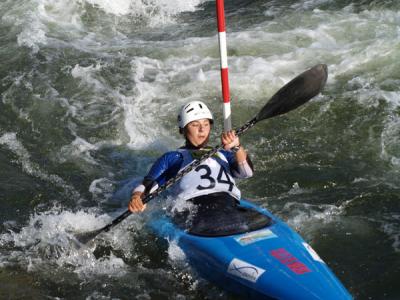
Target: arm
{"x":141,"y":191}
{"x":167,"y":164}
{"x":242,"y":166}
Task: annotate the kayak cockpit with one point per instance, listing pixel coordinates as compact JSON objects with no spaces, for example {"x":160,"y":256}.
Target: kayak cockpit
{"x":219,"y":214}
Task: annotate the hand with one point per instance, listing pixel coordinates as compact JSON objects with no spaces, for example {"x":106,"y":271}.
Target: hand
{"x":229,"y":139}
{"x":136,"y":204}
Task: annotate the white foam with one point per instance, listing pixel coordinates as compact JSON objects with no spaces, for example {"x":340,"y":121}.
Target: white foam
{"x":175,"y":253}
{"x":44,"y":22}
{"x":143,"y":113}
{"x":88,"y":75}
{"x":157,"y":11}
{"x":147,"y":112}
{"x":391,"y":227}
{"x":78,"y":149}
{"x":98,"y":111}
{"x":11,"y":141}
{"x":310,"y":4}
{"x":295,"y":190}
{"x":178,"y":205}
{"x":32,"y":37}
{"x":116,"y":7}
{"x":390,"y":141}
{"x":47,"y":239}
{"x":37,"y":17}
{"x":102,"y":188}
{"x":308,"y":216}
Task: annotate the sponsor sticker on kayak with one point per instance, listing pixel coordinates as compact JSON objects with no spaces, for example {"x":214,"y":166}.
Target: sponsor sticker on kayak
{"x":290,"y":261}
{"x":255,"y":236}
{"x":245,"y":270}
{"x":312,"y":252}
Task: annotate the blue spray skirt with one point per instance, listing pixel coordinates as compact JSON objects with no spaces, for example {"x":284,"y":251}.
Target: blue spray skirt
{"x":273,"y":262}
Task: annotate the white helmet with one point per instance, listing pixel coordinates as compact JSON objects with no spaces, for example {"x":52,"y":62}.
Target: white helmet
{"x":192,"y":111}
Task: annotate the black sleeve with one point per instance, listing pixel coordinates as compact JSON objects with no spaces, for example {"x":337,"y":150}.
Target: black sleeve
{"x":148,"y":185}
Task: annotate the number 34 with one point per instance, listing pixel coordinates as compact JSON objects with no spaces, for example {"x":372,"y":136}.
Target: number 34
{"x":212,"y":182}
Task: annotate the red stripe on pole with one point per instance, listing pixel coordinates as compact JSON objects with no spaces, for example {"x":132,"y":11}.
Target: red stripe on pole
{"x":225,"y":85}
{"x":220,"y":15}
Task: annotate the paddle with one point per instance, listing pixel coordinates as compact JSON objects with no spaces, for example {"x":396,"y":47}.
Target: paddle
{"x":295,"y":93}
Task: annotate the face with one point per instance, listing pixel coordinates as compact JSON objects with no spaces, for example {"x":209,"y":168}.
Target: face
{"x":197,"y":132}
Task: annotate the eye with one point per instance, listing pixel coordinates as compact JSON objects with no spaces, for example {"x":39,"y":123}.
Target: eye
{"x":205,"y":124}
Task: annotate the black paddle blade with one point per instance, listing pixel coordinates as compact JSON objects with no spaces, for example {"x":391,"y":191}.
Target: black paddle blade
{"x":295,"y":93}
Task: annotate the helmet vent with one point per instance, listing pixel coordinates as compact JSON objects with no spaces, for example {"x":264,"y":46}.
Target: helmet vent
{"x":195,"y":110}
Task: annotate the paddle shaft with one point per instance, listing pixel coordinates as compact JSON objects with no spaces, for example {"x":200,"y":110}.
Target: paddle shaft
{"x":194,"y":164}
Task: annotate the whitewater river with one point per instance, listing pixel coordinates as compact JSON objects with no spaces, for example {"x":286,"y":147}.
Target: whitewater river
{"x":90,"y":90}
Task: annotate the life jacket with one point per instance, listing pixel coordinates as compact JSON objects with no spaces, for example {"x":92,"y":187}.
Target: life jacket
{"x":211,"y":176}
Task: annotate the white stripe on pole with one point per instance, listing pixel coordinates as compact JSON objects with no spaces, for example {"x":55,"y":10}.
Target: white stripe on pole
{"x":222,"y":50}
{"x":227,"y":116}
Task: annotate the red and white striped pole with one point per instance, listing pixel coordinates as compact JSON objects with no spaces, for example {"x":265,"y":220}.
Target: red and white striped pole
{"x":224,"y":65}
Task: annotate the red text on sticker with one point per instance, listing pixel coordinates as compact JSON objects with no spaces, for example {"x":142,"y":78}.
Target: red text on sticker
{"x":290,"y":261}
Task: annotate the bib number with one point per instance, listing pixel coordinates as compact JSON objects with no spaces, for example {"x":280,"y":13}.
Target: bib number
{"x":222,"y":178}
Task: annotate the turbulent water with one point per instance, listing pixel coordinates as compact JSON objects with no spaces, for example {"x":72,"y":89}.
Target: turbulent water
{"x":89,"y":95}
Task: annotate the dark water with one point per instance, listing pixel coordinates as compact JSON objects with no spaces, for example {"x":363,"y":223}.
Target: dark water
{"x":89,"y":94}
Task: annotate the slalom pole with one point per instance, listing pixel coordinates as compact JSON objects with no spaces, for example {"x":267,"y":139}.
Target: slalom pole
{"x":224,"y":65}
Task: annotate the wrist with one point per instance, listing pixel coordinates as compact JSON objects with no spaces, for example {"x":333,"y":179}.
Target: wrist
{"x":136,"y":194}
{"x":236,"y":148}
{"x":140,"y":188}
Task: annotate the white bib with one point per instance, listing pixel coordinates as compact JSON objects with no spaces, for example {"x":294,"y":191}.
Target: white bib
{"x":212,"y":176}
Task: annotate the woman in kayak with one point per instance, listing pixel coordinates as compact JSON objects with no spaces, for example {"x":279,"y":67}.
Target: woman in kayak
{"x":211,"y":179}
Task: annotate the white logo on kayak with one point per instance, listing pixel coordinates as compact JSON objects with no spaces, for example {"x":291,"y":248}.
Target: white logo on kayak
{"x":255,"y":236}
{"x":312,"y":252}
{"x":244,"y":270}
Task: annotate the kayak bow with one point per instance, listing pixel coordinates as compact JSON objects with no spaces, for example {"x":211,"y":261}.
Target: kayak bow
{"x":272,"y":262}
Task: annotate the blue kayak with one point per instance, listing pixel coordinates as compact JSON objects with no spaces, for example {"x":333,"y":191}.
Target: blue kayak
{"x":265,"y":261}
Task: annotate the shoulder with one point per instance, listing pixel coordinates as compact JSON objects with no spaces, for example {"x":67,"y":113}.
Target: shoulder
{"x":171,"y":159}
{"x":171,"y":156}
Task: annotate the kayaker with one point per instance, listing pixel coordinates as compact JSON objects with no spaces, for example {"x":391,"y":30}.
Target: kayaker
{"x":215,"y":176}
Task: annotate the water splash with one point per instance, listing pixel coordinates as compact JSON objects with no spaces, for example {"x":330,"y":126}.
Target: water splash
{"x":48,"y":240}
{"x":46,"y":22}
{"x":391,"y":226}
